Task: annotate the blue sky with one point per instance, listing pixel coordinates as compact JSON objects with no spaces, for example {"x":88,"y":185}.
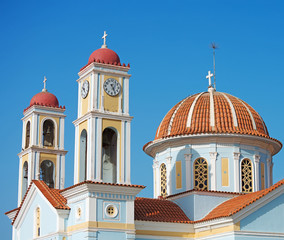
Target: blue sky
{"x":167,"y":46}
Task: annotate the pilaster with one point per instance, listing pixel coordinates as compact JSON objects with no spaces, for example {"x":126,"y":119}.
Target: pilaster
{"x":188,"y":171}
{"x":213,"y":158}
{"x":237,"y":183}
{"x":169,"y":177}
{"x":256,"y":173}
{"x":156,"y":182}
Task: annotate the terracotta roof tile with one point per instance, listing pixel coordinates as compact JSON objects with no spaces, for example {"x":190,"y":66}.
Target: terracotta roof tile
{"x":159,"y":210}
{"x":236,"y":204}
{"x":175,"y":121}
{"x":52,"y":195}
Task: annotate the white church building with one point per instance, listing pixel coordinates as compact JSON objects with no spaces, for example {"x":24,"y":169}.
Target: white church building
{"x":212,"y":167}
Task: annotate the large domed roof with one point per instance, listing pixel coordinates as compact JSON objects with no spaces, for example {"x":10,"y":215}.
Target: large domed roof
{"x":211,"y":113}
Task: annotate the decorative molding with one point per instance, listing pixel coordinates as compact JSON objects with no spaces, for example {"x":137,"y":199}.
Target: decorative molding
{"x":236,"y":156}
{"x":256,"y":158}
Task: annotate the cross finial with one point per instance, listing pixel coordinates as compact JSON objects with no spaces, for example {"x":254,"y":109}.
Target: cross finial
{"x":44,"y":85}
{"x":209,"y":78}
{"x":104,"y":38}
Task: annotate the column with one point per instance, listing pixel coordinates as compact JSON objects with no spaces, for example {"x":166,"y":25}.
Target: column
{"x":237,"y":171}
{"x":76,"y":152}
{"x":61,"y":134}
{"x":156,"y":181}
{"x":268,"y":171}
{"x":256,"y":173}
{"x":122,"y":149}
{"x":62,"y":181}
{"x":127,"y":152}
{"x":188,"y":171}
{"x":213,"y":157}
{"x":99,"y":150}
{"x":169,"y":166}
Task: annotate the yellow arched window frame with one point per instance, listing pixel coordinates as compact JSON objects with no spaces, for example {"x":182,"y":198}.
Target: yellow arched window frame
{"x":246,"y":171}
{"x":200,"y":167}
{"x":163,"y":179}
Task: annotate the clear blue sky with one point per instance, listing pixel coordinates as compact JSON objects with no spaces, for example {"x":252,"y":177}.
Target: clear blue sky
{"x":167,"y":45}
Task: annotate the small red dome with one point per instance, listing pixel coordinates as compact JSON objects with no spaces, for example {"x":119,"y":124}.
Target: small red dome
{"x":45,"y":99}
{"x":104,"y":55}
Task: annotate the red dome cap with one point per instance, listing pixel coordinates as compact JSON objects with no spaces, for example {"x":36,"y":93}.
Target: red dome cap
{"x":104,"y":55}
{"x":45,"y":99}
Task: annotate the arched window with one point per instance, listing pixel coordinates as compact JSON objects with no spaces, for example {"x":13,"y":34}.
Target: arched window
{"x":28,"y":127}
{"x":48,"y":133}
{"x":200,"y":167}
{"x":109,"y":155}
{"x":83,"y":156}
{"x":25,"y":179}
{"x":163,"y":174}
{"x":246,"y":168}
{"x":37,"y":222}
{"x":47,"y":173}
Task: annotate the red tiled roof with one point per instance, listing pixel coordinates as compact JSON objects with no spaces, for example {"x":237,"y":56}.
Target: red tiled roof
{"x":236,"y":204}
{"x":103,"y":183}
{"x":182,"y":120}
{"x":52,"y":195}
{"x":158,"y":210}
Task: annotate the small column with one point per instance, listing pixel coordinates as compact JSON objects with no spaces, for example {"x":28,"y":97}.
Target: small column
{"x":99,"y":151}
{"x":156,"y":181}
{"x":122,"y":154}
{"x":188,"y":171}
{"x":169,"y":165}
{"x":237,"y":171}
{"x":91,"y":148}
{"x":268,"y":171}
{"x":102,"y":94}
{"x":62,"y":181}
{"x":213,"y":157}
{"x":76,"y":152}
{"x":256,"y":173}
{"x":127,"y":167}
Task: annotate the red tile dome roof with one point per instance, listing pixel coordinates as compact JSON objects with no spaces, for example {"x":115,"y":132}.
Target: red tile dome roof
{"x":45,"y":99}
{"x":104,"y":55}
{"x":218,"y":113}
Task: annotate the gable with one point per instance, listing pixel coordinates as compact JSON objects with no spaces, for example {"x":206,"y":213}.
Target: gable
{"x":25,"y":223}
{"x":268,"y":218}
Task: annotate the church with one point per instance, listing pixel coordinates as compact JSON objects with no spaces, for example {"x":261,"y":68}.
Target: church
{"x":212,"y":167}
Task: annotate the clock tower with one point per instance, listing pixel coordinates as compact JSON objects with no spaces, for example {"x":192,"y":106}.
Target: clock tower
{"x":102,"y":127}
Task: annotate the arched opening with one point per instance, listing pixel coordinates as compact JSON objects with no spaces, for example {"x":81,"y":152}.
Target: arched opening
{"x":37,"y":222}
{"x":25,"y":179}
{"x":48,"y":133}
{"x":28,"y":127}
{"x":47,"y":173}
{"x":83,"y":156}
{"x":109,"y":155}
{"x":163,"y":177}
{"x":246,"y":169}
{"x":200,"y":167}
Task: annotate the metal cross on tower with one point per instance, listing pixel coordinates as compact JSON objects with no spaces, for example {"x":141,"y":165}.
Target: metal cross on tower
{"x":104,"y":38}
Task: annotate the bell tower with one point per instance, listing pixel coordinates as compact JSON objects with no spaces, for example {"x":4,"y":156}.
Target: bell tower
{"x":42,"y":155}
{"x":102,"y":128}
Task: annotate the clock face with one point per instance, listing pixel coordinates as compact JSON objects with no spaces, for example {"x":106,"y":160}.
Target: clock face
{"x":85,"y":89}
{"x":112,"y":87}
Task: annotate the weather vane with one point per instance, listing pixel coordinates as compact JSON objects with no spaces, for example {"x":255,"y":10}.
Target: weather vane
{"x":44,"y":85}
{"x":104,"y":38}
{"x":214,"y":47}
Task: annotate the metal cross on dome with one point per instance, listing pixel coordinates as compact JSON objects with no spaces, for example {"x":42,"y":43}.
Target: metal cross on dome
{"x":44,"y":84}
{"x":104,"y":38}
{"x":209,"y":78}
